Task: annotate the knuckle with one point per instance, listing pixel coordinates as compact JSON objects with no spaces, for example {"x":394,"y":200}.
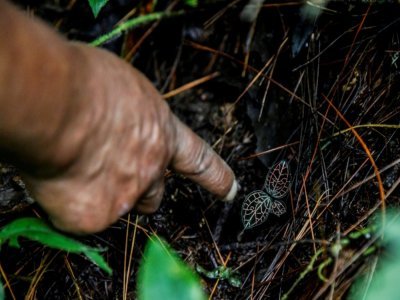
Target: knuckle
{"x":81,"y":223}
{"x":151,"y":201}
{"x":147,"y":209}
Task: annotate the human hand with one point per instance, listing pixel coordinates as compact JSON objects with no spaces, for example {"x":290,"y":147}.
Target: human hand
{"x":116,"y":148}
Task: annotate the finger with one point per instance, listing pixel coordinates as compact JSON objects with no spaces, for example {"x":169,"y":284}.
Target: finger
{"x":151,"y":200}
{"x":195,"y":159}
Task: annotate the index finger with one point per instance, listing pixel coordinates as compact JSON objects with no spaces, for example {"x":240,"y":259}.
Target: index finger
{"x":195,"y":159}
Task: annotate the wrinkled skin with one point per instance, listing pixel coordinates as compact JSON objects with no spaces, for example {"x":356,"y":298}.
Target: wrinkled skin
{"x":90,"y":134}
{"x":129,"y":138}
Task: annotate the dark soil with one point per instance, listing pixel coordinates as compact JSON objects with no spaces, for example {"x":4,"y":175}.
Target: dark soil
{"x":349,"y":57}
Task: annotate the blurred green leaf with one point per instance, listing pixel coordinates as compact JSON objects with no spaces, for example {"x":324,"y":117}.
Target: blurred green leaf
{"x":37,"y":230}
{"x":163,"y":275}
{"x":96,"y":6}
{"x":382,"y":282}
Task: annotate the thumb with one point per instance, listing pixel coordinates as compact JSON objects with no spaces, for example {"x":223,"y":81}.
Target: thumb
{"x":195,"y":159}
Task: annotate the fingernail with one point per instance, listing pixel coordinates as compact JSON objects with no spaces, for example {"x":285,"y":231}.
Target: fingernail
{"x":232,"y":193}
{"x":125,"y":207}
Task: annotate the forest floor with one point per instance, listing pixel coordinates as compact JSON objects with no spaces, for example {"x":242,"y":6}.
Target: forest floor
{"x":320,"y":93}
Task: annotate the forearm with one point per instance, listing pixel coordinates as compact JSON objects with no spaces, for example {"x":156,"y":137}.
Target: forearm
{"x":38,"y":88}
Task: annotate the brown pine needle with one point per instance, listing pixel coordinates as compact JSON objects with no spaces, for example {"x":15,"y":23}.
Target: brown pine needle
{"x":372,"y":210}
{"x":259,"y":73}
{"x":144,"y":230}
{"x":368,"y":152}
{"x":71,"y":272}
{"x":356,"y":185}
{"x":128,"y":260}
{"x":7,"y":285}
{"x":224,"y":263}
{"x":124,"y":276}
{"x":309,"y":215}
{"x":254,"y":70}
{"x":40,"y":271}
{"x":268,"y":151}
{"x":214,"y":243}
{"x":190,"y":85}
{"x":390,"y":126}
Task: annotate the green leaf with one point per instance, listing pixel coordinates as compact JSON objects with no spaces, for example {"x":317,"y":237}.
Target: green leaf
{"x":163,"y":275}
{"x":96,"y":6}
{"x":192,"y":3}
{"x":382,"y":282}
{"x":37,"y":230}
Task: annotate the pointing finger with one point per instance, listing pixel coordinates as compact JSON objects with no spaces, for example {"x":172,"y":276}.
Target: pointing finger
{"x":195,"y":159}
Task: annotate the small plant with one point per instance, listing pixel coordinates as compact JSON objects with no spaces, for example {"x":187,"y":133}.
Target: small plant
{"x":39,"y":231}
{"x":327,"y":255}
{"x":222,"y":273}
{"x":259,"y":204}
{"x":163,"y":275}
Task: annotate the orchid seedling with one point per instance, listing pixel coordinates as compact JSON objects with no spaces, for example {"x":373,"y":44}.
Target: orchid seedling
{"x":260,"y":203}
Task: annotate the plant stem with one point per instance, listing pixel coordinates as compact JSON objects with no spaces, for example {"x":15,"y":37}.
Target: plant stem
{"x":307,"y":270}
{"x":130,"y":24}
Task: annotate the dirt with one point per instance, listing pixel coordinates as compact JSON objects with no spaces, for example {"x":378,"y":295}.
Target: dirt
{"x":349,"y":57}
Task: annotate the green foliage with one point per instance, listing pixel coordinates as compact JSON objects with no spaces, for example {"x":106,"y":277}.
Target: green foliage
{"x":222,"y":273}
{"x":37,"y":230}
{"x":163,"y":275}
{"x":383,"y":281}
{"x":96,"y":6}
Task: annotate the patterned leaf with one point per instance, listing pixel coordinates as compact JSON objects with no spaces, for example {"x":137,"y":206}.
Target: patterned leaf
{"x":278,"y":208}
{"x":255,"y":209}
{"x":259,"y":204}
{"x":278,"y":180}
